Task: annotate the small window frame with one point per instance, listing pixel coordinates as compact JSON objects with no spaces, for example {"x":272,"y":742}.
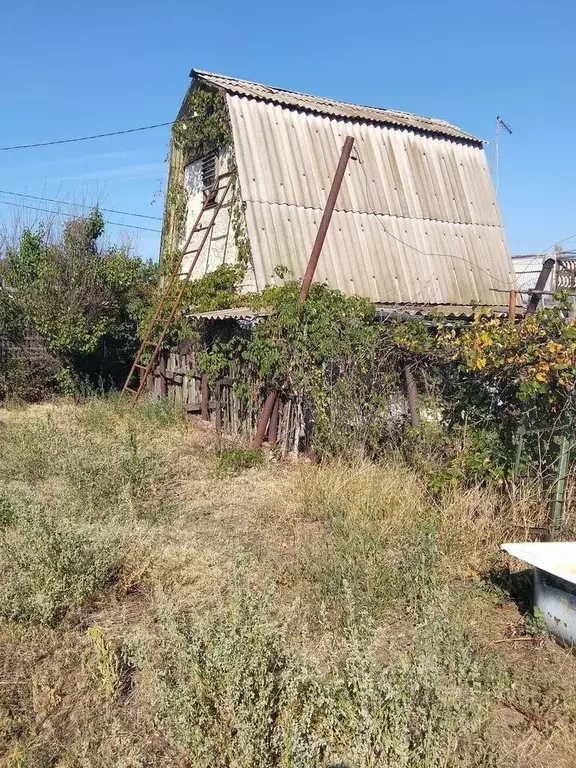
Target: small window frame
{"x":209,"y":174}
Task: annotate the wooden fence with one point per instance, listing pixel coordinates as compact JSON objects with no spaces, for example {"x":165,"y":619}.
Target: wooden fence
{"x":178,"y":378}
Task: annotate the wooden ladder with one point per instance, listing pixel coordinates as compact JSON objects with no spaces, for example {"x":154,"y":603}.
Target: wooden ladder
{"x":169,"y":302}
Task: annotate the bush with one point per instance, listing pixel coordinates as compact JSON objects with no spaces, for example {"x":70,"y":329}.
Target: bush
{"x":83,"y":301}
{"x":49,"y":565}
{"x":230,"y":693}
{"x":237,"y":460}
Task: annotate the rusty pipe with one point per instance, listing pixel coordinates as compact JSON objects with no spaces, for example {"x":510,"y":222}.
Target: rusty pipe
{"x":325,"y":221}
{"x":412,"y":396}
{"x":264,"y":419}
{"x":273,"y":426}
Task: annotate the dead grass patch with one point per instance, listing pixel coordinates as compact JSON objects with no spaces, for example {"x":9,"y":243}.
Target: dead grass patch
{"x":360,"y":614}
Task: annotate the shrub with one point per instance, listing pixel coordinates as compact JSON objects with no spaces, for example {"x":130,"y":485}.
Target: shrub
{"x":231,"y":693}
{"x":239,"y":459}
{"x":84,"y":302}
{"x":49,"y":564}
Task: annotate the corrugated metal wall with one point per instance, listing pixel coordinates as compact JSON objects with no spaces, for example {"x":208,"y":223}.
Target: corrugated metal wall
{"x":416,"y":220}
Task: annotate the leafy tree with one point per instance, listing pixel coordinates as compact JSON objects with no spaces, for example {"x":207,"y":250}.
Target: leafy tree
{"x":85,"y":301}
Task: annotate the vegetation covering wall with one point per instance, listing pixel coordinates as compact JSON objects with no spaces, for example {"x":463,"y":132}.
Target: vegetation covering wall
{"x":496,"y":395}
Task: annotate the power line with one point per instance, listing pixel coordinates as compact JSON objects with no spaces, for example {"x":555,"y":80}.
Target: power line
{"x":86,"y":138}
{"x":558,"y":242}
{"x":59,"y":213}
{"x":80,"y":205}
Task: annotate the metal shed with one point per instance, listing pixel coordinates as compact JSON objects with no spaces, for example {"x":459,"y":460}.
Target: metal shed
{"x":416,"y":221}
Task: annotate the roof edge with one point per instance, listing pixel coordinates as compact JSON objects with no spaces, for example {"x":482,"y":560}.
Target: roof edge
{"x":325,"y":106}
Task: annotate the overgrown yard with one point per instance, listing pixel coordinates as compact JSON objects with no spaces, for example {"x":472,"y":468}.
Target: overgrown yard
{"x":164,"y":603}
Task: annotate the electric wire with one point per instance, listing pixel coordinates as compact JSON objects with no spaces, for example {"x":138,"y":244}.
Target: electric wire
{"x":86,"y":138}
{"x":67,"y":215}
{"x":80,"y":205}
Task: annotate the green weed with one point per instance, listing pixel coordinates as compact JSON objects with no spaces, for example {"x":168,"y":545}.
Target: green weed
{"x":49,"y":565}
{"x":231,"y":693}
{"x":238,"y":460}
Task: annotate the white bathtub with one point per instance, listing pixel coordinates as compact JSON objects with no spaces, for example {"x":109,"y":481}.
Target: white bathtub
{"x":554,"y":583}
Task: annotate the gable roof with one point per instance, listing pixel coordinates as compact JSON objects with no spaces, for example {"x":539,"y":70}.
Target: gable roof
{"x":328,"y":107}
{"x":416,"y":220}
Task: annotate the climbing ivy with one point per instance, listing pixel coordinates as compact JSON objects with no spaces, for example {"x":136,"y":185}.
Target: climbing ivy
{"x":204,"y":125}
{"x":238,"y":222}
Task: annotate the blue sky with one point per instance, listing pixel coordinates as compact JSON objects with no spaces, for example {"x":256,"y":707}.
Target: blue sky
{"x":70,"y":69}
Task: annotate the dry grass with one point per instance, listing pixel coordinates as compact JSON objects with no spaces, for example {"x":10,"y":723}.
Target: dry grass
{"x":285,"y":614}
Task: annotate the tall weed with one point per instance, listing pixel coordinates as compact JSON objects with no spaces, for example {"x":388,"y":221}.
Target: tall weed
{"x":230,"y":692}
{"x":49,"y":565}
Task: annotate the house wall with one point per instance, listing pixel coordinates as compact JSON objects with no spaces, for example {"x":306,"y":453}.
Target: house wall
{"x":527,"y":270}
{"x":220,"y":247}
{"x":416,"y":220}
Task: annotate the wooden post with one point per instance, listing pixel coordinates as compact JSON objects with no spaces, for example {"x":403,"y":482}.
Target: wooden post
{"x":512,"y":306}
{"x":163,"y":388}
{"x":204,"y":398}
{"x":218,"y":418}
{"x":557,"y":506}
{"x":412,"y":396}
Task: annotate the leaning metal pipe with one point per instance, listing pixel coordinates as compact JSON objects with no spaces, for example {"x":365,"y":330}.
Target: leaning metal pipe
{"x":309,"y":274}
{"x":326,"y":217}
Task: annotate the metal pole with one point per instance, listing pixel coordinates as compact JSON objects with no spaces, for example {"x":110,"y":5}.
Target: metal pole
{"x":540,"y":286}
{"x":309,"y":274}
{"x":412,"y":396}
{"x":264,"y":419}
{"x":273,"y":426}
{"x":557,"y":506}
{"x":325,"y":221}
{"x":519,"y":449}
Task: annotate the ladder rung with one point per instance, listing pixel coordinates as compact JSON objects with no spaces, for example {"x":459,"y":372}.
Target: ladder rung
{"x":132,"y":391}
{"x":143,"y":367}
{"x":151,"y":344}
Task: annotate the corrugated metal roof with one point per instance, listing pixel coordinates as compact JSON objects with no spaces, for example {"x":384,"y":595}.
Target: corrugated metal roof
{"x":416,"y":220}
{"x":235,"y":313}
{"x":452,"y":312}
{"x":328,"y":107}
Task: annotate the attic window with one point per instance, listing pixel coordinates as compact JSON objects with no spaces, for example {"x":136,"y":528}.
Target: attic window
{"x":209,"y":177}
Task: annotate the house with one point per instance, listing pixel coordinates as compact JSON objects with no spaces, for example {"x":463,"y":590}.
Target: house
{"x":416,"y":223}
{"x":528,"y":268}
{"x":559,"y":277}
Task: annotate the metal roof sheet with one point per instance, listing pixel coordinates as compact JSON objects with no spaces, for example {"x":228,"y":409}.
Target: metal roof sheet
{"x":452,"y":312}
{"x":329,"y":107}
{"x":235,"y":313}
{"x":416,"y":220}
